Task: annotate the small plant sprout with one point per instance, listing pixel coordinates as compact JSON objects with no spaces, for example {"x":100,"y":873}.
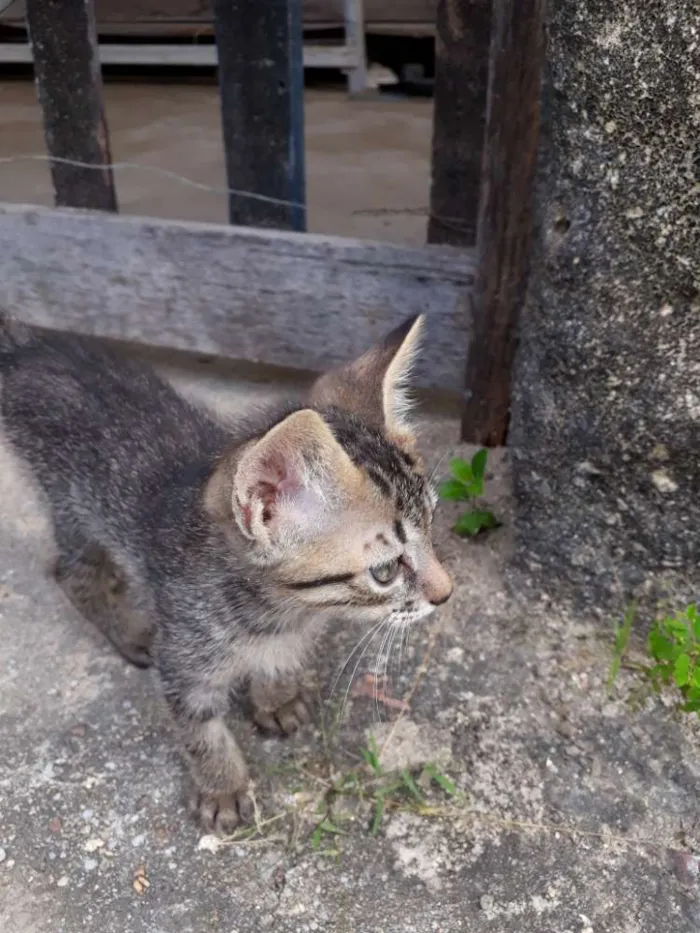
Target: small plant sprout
{"x":622,"y":639}
{"x":381,"y":791}
{"x":357,"y":797}
{"x":467,"y":485}
{"x":326,"y":828}
{"x":673,"y":646}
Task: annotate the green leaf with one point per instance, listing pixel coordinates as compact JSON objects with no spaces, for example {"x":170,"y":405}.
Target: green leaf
{"x":411,"y":785}
{"x":623,"y":632}
{"x":377,"y":819}
{"x":681,"y":670}
{"x":677,"y":630}
{"x":695,"y":677}
{"x":479,"y":463}
{"x":665,"y":673}
{"x":622,"y":636}
{"x":444,"y":782}
{"x":694,"y":619}
{"x":661,"y":648}
{"x":615,"y":665}
{"x":461,"y":470}
{"x":371,"y":756}
{"x":325,"y":827}
{"x":657,"y":672}
{"x":454,"y":491}
{"x":471,"y":523}
{"x":693,"y":695}
{"x":476,"y":488}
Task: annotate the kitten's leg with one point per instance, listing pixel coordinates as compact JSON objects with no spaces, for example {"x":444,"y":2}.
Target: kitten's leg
{"x":216,"y":763}
{"x":94,"y":585}
{"x":280,"y":704}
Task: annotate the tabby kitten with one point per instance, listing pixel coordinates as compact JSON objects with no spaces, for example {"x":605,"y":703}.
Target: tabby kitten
{"x":220,"y":557}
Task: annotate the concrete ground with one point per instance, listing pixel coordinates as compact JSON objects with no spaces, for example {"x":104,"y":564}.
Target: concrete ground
{"x":562,"y":809}
{"x":574,"y":812}
{"x":361,"y":156}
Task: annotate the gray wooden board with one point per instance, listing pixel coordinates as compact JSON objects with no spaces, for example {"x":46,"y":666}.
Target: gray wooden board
{"x":299,"y":300}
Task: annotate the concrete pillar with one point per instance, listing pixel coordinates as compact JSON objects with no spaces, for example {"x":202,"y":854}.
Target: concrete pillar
{"x":605,"y":422}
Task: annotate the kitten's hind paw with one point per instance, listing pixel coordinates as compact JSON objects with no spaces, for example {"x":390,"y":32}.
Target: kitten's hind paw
{"x":222,"y":813}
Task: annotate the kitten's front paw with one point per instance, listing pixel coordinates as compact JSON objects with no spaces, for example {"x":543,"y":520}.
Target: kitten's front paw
{"x":280,"y":706}
{"x":287,"y":718}
{"x":222,"y":813}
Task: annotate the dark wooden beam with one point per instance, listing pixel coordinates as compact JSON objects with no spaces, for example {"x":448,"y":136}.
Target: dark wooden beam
{"x":461,"y":72}
{"x":63,"y":37}
{"x":261,"y":83}
{"x":505,"y":214}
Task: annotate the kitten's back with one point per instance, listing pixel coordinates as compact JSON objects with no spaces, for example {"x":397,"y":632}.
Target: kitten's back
{"x":91,"y":422}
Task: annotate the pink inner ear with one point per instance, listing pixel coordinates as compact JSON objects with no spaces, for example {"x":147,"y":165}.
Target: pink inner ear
{"x":276,"y":479}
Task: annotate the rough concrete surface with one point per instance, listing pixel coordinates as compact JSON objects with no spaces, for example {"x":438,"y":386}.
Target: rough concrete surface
{"x":606,"y":413}
{"x":579,"y":813}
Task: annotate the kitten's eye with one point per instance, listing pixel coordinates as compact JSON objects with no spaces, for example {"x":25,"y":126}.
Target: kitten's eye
{"x":385,"y":573}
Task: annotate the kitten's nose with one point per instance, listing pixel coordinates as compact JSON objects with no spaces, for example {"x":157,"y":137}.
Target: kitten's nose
{"x":436,"y":583}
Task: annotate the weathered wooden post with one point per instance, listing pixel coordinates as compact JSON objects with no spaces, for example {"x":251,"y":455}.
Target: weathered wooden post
{"x":66,"y":57}
{"x":463,"y":32}
{"x":261,"y":79}
{"x":605,"y":422}
{"x":504,"y":217}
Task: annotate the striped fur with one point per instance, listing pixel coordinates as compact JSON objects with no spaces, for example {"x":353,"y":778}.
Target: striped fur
{"x":221,"y":555}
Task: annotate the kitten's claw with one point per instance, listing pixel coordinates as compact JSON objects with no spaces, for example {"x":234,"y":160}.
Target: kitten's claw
{"x":222,"y":813}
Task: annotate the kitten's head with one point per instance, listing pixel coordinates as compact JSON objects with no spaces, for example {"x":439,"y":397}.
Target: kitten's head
{"x":333,"y":500}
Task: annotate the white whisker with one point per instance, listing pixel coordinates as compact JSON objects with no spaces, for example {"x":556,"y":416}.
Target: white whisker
{"x":361,"y":641}
{"x":405,"y":639}
{"x":399,"y":644}
{"x":373,"y":632}
{"x":395,"y":629}
{"x":377,"y":666}
{"x":436,"y":468}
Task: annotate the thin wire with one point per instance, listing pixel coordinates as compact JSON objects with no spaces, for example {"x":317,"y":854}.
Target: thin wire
{"x":456,"y":223}
{"x":156,"y":170}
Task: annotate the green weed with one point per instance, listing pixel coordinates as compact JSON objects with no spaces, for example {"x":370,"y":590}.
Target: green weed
{"x":622,"y":639}
{"x":673,"y":646}
{"x":467,"y":485}
{"x":372,"y":790}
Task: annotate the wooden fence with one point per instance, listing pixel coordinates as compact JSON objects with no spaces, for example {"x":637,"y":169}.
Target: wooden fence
{"x":262,"y":290}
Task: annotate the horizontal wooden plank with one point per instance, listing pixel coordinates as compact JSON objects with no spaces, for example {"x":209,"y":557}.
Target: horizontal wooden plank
{"x":193,"y":56}
{"x":298,"y":300}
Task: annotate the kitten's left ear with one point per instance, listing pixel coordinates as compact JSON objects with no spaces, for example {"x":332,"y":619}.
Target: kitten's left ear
{"x":375,"y":385}
{"x":286,"y":486}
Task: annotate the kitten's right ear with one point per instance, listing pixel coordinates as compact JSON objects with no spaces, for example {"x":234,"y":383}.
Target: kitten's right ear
{"x":285,"y":486}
